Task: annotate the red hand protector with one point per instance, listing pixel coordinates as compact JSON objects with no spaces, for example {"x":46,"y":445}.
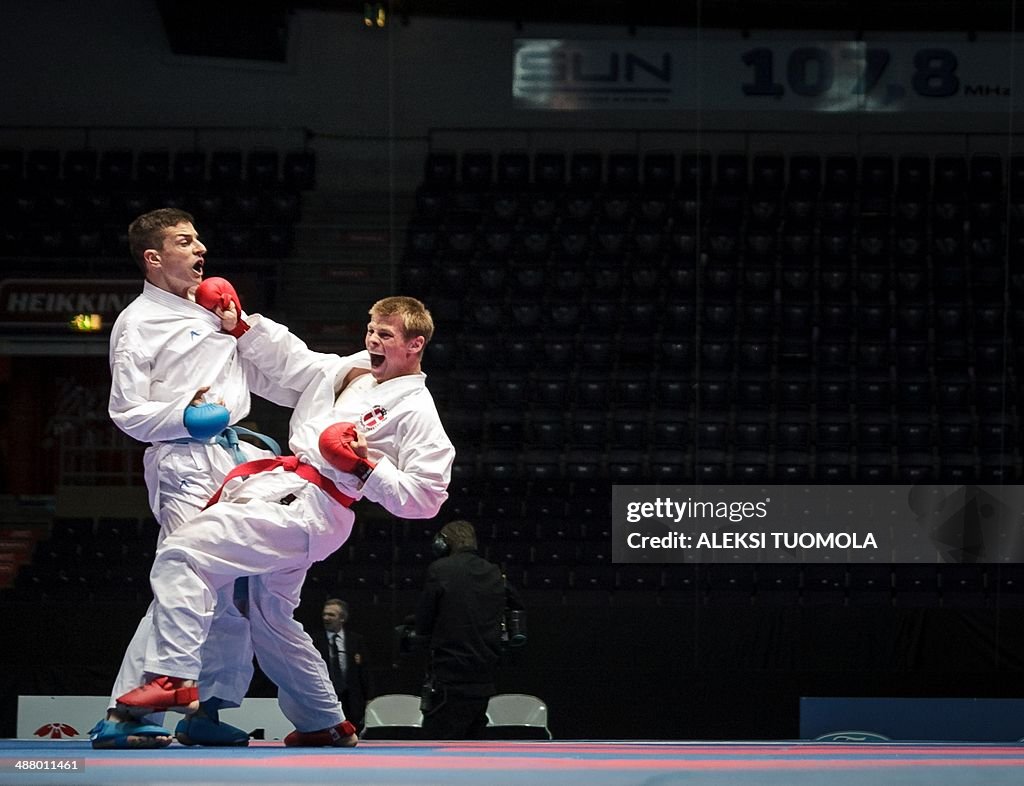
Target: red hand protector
{"x":336,"y":446}
{"x":217,"y":292}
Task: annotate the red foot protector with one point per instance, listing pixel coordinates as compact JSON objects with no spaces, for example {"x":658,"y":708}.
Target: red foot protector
{"x":341,"y":736}
{"x":162,"y":693}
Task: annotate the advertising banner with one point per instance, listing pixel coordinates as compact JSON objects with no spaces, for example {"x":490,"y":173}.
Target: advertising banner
{"x":801,"y":75}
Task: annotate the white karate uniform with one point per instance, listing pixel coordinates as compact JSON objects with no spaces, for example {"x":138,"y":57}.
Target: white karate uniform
{"x":250,"y":532}
{"x":163,"y":348}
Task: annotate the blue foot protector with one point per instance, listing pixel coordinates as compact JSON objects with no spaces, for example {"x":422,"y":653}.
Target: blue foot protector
{"x":199,"y":730}
{"x":116,"y":734}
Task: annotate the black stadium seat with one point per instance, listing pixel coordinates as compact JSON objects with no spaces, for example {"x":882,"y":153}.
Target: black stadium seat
{"x":809,"y":317}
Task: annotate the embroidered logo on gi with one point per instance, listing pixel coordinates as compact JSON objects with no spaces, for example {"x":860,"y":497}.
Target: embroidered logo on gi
{"x":193,"y":334}
{"x":374,"y":417}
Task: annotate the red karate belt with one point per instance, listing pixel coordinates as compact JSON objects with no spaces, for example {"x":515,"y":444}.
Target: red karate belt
{"x":290,"y":464}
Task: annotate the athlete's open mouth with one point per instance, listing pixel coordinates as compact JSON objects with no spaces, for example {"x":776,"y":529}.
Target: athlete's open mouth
{"x":376,"y":360}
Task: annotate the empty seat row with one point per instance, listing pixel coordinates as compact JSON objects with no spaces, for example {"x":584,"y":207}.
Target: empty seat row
{"x":466,"y":236}
{"x":76,"y":585}
{"x":715,"y":585}
{"x":97,"y":205}
{"x":638,"y":426}
{"x":629,"y":443}
{"x":489,"y":383}
{"x":450,"y":213}
{"x":730,"y":585}
{"x":547,"y":535}
{"x":676,"y":464}
{"x":111,"y":240}
{"x":541,"y":300}
{"x":918,"y":211}
{"x":952,"y":250}
{"x":675,"y":349}
{"x":517,"y":551}
{"x":764,"y":171}
{"x":158,"y":168}
{"x":911,"y":297}
{"x":898,"y":584}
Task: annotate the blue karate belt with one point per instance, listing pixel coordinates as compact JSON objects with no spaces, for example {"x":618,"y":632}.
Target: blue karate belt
{"x":228,"y":439}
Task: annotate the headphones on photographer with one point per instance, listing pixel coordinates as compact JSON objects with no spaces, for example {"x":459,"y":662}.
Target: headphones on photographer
{"x":439,"y":546}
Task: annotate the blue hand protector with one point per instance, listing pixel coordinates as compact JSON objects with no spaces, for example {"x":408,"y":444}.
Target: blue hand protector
{"x":206,"y":420}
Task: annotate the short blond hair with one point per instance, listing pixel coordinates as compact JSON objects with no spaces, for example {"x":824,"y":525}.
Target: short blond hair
{"x":416,"y":319}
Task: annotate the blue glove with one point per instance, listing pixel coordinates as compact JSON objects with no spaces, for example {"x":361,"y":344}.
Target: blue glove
{"x":203,"y":421}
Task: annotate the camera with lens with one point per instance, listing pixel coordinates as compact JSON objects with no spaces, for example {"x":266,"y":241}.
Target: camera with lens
{"x":513,"y":628}
{"x":407,"y":639}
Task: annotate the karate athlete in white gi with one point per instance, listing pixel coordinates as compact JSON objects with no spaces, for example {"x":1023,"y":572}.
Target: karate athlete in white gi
{"x":163,"y":347}
{"x":354,"y":435}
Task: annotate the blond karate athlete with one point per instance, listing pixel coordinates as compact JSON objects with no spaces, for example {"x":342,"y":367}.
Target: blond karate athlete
{"x":354,"y":434}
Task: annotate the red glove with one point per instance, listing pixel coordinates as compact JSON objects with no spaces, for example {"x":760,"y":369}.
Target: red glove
{"x":336,"y":446}
{"x":214,"y":293}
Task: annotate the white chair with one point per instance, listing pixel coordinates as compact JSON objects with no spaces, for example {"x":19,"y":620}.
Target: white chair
{"x":517,"y":716}
{"x":393,"y":716}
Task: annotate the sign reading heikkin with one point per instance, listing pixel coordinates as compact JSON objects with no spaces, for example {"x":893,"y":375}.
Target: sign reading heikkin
{"x":828,"y":523}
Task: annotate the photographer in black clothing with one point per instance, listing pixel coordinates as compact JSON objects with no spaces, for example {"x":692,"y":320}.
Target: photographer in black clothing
{"x":460,"y":614}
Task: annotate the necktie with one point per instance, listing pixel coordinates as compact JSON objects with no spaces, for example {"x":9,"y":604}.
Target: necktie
{"x":337,"y":664}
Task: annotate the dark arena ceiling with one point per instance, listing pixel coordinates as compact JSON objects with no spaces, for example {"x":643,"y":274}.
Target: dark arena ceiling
{"x":947,"y":15}
{"x":237,"y":28}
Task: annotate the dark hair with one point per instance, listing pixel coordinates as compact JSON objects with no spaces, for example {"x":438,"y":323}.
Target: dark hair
{"x":147,"y":231}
